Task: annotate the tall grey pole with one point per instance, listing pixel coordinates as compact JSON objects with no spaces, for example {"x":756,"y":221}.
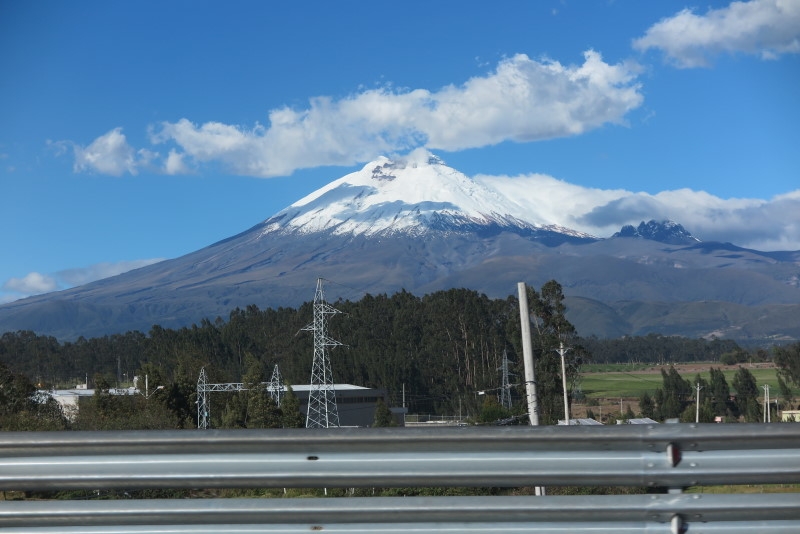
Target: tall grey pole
{"x":527,"y":358}
{"x":561,"y":350}
{"x":527,"y":354}
{"x":697,"y":403}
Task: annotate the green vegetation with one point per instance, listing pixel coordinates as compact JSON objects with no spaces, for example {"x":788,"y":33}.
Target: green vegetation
{"x":611,"y":384}
{"x":441,"y":349}
{"x":609,"y":380}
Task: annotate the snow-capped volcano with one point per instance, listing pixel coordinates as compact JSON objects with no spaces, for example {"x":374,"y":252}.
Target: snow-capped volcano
{"x":415,"y":224}
{"x":412,"y":195}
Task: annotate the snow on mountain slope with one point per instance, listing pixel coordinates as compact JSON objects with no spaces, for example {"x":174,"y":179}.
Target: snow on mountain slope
{"x":414,"y":195}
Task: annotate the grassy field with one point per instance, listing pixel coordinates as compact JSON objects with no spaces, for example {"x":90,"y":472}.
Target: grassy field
{"x":626,"y":381}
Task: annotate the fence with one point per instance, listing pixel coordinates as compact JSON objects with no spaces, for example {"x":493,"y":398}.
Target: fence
{"x":670,"y":456}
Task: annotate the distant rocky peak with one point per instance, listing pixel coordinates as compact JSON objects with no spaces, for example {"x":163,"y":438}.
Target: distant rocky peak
{"x":383,"y":172}
{"x":386,"y":169}
{"x":665,"y":231}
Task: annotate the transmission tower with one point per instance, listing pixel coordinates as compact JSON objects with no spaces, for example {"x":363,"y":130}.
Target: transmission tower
{"x":203,"y":396}
{"x":505,"y":390}
{"x":203,"y":404}
{"x":275,"y":386}
{"x":322,"y":411}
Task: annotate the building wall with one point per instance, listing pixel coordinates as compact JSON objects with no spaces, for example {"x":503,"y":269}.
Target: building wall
{"x":356,"y":407}
{"x":790,"y":416}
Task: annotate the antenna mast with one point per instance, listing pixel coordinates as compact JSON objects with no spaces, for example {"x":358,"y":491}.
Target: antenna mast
{"x":322,"y":411}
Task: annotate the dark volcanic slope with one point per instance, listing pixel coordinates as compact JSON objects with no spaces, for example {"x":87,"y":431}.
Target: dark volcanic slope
{"x":277,"y":269}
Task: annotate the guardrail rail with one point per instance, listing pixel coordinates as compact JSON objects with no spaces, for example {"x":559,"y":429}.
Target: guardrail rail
{"x":671,"y":456}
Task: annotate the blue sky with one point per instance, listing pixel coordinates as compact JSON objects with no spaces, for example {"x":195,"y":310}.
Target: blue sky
{"x":138,"y":131}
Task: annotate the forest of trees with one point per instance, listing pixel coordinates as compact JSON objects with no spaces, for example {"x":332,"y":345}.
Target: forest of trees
{"x":677,"y":398}
{"x":441,"y":349}
{"x":661,"y":350}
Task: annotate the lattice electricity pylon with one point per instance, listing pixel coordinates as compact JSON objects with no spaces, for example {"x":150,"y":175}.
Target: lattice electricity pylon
{"x":204,"y":400}
{"x":203,"y":404}
{"x":505,"y":390}
{"x":275,"y":386}
{"x":322,"y":411}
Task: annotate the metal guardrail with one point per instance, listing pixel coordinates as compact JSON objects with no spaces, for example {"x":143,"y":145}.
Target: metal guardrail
{"x":671,"y":456}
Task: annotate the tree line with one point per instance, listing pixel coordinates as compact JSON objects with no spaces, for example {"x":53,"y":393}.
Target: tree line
{"x":704,"y":400}
{"x":440,"y":349}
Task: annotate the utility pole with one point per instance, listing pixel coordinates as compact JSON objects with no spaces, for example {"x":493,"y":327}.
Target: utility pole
{"x":527,"y":352}
{"x":322,"y":411}
{"x":530,"y":374}
{"x":767,"y":418}
{"x":562,"y":350}
{"x":698,"y":387}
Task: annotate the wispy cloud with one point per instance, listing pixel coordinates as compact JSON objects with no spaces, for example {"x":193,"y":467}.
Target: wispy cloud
{"x":521,"y":100}
{"x":31,"y":284}
{"x":767,"y":28}
{"x":772,"y":224}
{"x":36,"y":283}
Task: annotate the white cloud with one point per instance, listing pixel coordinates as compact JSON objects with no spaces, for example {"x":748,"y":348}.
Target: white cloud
{"x":35,"y":283}
{"x":31,"y":284}
{"x":175,"y":163}
{"x":766,"y":28}
{"x":522,"y":100}
{"x":108,"y":154}
{"x":772,"y":224}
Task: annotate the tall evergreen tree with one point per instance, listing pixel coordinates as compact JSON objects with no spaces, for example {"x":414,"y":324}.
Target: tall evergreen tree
{"x":747,"y":396}
{"x":262,"y":411}
{"x":290,"y":410}
{"x":22,"y":409}
{"x":383,"y":416}
{"x":788,"y":359}
{"x":720,"y":393}
{"x":646,"y":406}
{"x":784,"y":390}
{"x":674,"y":394}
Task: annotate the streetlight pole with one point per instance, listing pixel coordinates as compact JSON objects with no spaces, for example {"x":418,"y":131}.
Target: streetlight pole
{"x":562,"y":350}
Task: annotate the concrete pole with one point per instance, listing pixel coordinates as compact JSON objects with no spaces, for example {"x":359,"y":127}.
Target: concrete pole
{"x":527,"y":354}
